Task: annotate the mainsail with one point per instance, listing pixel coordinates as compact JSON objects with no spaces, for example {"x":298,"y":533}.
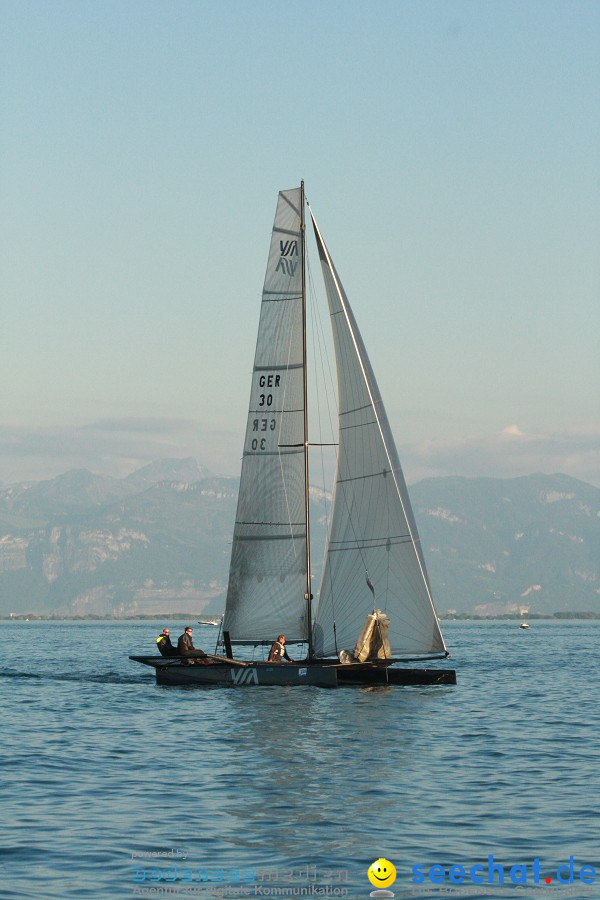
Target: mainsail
{"x":267,"y":577}
{"x":374,"y":557}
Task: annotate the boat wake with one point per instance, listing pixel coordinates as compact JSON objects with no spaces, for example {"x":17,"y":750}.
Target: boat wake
{"x":99,"y":678}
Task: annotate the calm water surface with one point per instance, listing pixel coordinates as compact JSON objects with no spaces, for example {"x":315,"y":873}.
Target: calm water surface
{"x":98,"y":762}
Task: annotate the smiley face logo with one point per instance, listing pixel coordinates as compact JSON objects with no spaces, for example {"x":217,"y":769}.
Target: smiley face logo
{"x":382,"y":873}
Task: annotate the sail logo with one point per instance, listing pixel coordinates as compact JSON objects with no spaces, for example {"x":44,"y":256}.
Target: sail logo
{"x":287,"y":265}
{"x":244,"y":676}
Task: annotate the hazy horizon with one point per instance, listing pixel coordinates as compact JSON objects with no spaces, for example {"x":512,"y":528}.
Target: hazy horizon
{"x":119,"y":448}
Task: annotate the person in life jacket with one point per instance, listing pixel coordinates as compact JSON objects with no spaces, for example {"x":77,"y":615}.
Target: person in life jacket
{"x":163,"y":642}
{"x":185,"y":647}
{"x":278,"y":651}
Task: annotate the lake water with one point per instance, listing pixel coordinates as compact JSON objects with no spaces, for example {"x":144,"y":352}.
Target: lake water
{"x":297,"y":787}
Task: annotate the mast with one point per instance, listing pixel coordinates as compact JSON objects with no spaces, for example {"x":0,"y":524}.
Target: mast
{"x":308,"y":593}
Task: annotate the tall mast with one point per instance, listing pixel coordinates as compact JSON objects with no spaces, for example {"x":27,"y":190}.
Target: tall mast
{"x":308,"y":594}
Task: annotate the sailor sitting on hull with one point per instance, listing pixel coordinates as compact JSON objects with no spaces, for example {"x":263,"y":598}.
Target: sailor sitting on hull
{"x":185,"y":648}
{"x":278,"y":651}
{"x":163,"y":642}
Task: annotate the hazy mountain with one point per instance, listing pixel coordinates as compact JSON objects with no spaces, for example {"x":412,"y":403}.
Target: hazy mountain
{"x":160,"y":540}
{"x":74,"y":492}
{"x":182,"y":470}
{"x":494,"y":545}
{"x":89,"y":545}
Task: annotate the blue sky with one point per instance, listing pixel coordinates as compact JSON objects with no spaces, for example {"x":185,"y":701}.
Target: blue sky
{"x":450,"y":153}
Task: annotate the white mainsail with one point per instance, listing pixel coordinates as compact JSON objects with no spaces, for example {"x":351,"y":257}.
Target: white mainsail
{"x":374,"y":557}
{"x":267,"y":577}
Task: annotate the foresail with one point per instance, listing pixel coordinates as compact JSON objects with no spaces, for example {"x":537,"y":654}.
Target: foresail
{"x":267,"y":576}
{"x":374,"y":557}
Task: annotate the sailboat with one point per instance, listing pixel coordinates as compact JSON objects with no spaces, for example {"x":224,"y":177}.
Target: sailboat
{"x":374,"y":609}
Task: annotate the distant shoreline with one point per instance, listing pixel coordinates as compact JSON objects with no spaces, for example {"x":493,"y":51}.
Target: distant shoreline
{"x":155,"y":617}
{"x":514,"y":617}
{"x":215,"y":620}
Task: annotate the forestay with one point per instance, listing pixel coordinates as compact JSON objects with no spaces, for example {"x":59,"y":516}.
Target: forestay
{"x":267,"y":578}
{"x":374,"y":556}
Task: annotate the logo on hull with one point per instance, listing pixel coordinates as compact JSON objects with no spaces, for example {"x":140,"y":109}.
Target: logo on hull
{"x":244,"y":676}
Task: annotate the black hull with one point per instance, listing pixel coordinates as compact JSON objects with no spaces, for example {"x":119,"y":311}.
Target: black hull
{"x":324,"y":673}
{"x":239,"y":674}
{"x":375,"y":674}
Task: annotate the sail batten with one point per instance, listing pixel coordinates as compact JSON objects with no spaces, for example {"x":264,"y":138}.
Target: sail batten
{"x":277,"y":453}
{"x":277,"y":368}
{"x":273,"y":537}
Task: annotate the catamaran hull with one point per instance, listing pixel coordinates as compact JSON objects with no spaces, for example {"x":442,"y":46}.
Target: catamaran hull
{"x":249,"y":676}
{"x":245,"y":675}
{"x":323,"y":674}
{"x":368,"y":674}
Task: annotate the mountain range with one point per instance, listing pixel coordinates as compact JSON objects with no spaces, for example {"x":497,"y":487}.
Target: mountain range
{"x":159,"y":541}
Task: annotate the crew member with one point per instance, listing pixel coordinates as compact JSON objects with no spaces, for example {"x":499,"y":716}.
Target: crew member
{"x":278,"y":652}
{"x":185,"y":648}
{"x":164,"y":644}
